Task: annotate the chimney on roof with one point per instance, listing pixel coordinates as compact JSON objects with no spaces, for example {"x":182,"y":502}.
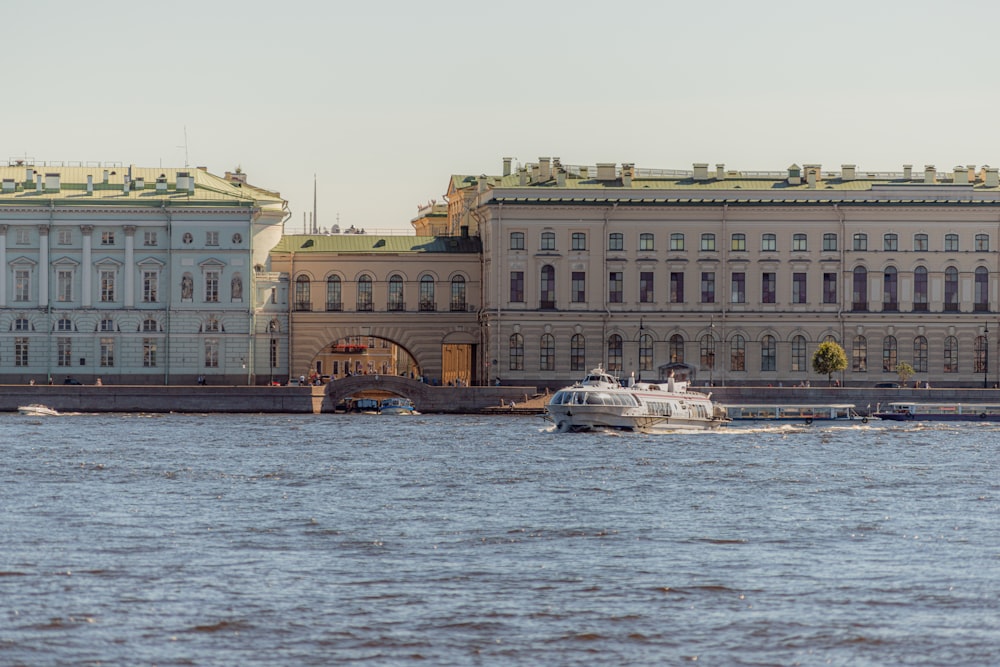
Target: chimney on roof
{"x":720,"y":172}
{"x":930,"y":173}
{"x":700,"y":171}
{"x":561,"y":177}
{"x":628,"y":171}
{"x":90,"y":184}
{"x":544,"y":169}
{"x":794,"y":175}
{"x":811,"y":178}
{"x":606,"y":171}
{"x":106,"y":177}
{"x":9,"y":185}
{"x":960,"y":175}
{"x":971,"y":168}
{"x":140,"y":183}
{"x":29,"y":177}
{"x":506,"y":166}
{"x":161,"y":183}
{"x":584,"y":173}
{"x":182,"y":180}
{"x":848,"y":172}
{"x":817,"y":168}
{"x":908,"y":172}
{"x":482,"y":184}
{"x":990,"y":177}
{"x":522,"y":176}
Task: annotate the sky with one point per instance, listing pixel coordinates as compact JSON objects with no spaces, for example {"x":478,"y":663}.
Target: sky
{"x":382,"y":101}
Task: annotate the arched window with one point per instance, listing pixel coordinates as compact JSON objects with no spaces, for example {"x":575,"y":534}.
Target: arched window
{"x":334,"y":296}
{"x":889,"y":354}
{"x":458,"y":303}
{"x":768,"y":353}
{"x":859,"y":295}
{"x":950,"y":354}
{"x":920,"y":354}
{"x":365,"y":293}
{"x":982,"y":293}
{"x":303,"y":299}
{"x":517,"y":352}
{"x":920,"y":289}
{"x":64,"y":324}
{"x":547,"y":293}
{"x":738,"y":353}
{"x":615,"y":353}
{"x":951,"y":289}
{"x":859,"y":355}
{"x":676,"y":349}
{"x":396,"y":293}
{"x":707,"y":356}
{"x":107,"y":324}
{"x":890,"y":292}
{"x":577,"y":353}
{"x":645,"y":352}
{"x":799,"y":354}
{"x":547,"y":353}
{"x":427,"y":293}
{"x":149,"y":325}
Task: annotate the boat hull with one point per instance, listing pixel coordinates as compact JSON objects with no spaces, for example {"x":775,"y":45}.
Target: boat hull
{"x":587,"y":418}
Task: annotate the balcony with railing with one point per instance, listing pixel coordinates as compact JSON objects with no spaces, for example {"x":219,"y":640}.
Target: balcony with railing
{"x":302,"y":306}
{"x":334,"y":306}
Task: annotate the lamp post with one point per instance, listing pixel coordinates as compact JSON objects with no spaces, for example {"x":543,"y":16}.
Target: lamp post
{"x":641,"y":332}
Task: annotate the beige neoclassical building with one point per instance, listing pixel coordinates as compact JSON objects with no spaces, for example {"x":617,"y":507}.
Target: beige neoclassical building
{"x":734,"y":277}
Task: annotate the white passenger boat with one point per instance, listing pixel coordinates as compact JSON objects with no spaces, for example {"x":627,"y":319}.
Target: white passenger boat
{"x":37,"y":410}
{"x":796,"y":413}
{"x":397,"y":406}
{"x":600,"y":401}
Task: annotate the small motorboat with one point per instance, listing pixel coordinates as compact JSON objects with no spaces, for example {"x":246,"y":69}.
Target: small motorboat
{"x":37,"y":410}
{"x":397,"y":406}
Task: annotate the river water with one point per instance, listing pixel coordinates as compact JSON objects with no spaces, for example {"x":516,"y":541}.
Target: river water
{"x":473,"y":540}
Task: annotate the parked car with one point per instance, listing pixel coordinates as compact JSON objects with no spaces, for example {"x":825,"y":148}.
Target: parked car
{"x":70,"y":380}
{"x":887,"y":385}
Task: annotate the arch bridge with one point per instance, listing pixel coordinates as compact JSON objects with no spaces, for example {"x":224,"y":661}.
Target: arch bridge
{"x":338,"y":390}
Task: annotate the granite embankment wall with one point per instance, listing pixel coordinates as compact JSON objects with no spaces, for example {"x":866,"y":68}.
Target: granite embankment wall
{"x":428,"y":399}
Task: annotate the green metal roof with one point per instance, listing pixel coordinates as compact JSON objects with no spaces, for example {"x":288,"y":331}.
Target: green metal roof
{"x":377,"y":244}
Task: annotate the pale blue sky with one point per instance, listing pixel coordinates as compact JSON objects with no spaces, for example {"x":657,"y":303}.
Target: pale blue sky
{"x":384,"y":100}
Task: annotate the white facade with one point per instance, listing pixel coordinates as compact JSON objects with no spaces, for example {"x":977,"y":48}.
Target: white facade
{"x":138,"y":276}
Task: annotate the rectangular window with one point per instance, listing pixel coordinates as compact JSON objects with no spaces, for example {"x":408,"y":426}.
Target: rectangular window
{"x":676,"y":287}
{"x":768,"y":291}
{"x":149,"y":352}
{"x":616,"y":241}
{"x":708,"y":242}
{"x":951,"y":242}
{"x":517,"y":240}
{"x":829,"y":288}
{"x":890,"y":243}
{"x":211,"y":238}
{"x":107,"y":286}
{"x":64,"y":351}
{"x":517,"y":286}
{"x":708,"y":286}
{"x":920,"y":242}
{"x":149,"y":238}
{"x":646,"y":241}
{"x":64,"y":285}
{"x":645,"y":287}
{"x":739,"y":285}
{"x":22,"y":285}
{"x":829,"y":242}
{"x":107,"y":238}
{"x":548,"y":241}
{"x":578,"y":287}
{"x":739,"y":242}
{"x":23,"y":237}
{"x":799,"y":287}
{"x":273,"y":356}
{"x":212,"y":286}
{"x":20,"y":351}
{"x":579,"y":241}
{"x":768,"y":242}
{"x":677,"y":241}
{"x":150,"y":286}
{"x":107,"y":352}
{"x":211,"y":353}
{"x":982,"y":242}
{"x":65,"y":237}
{"x":800,"y":242}
{"x":616,"y":287}
{"x":861,"y":242}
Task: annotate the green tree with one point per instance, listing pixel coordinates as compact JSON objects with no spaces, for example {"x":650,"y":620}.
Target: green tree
{"x":904,"y":371}
{"x":828,"y":359}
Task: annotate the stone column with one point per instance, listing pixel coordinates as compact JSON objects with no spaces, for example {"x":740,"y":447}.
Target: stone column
{"x":87,"y":297}
{"x":129,"y":266}
{"x":43,"y":266}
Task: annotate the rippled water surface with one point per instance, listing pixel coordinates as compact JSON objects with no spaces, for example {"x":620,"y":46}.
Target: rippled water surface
{"x":446,"y":540}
